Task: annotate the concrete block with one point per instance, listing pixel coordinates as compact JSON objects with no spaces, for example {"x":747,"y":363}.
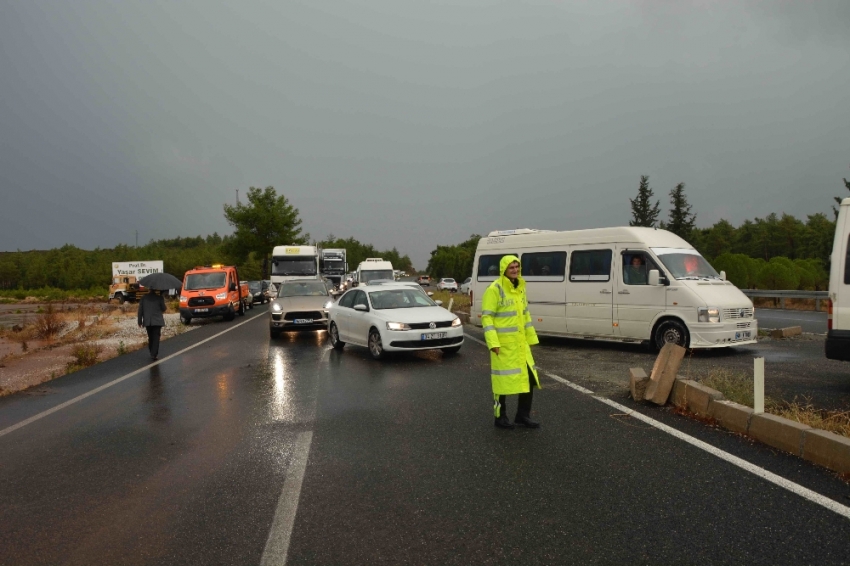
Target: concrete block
{"x":778,"y":432}
{"x":730,"y":415}
{"x":827,"y":449}
{"x":664,"y":373}
{"x":637,"y":382}
{"x":786,"y":332}
{"x":677,"y":394}
{"x":699,"y":397}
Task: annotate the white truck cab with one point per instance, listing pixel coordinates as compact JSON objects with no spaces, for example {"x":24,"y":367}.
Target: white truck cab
{"x":838,"y":322}
{"x":627,"y":284}
{"x":373,"y":268}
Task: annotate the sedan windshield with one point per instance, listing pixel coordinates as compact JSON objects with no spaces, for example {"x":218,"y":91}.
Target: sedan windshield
{"x":400,"y":299}
{"x":196,"y":281}
{"x":303,"y":289}
{"x":686,"y":264}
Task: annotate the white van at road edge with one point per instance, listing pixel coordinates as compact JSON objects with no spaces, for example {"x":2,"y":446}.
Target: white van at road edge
{"x":838,"y":322}
{"x":373,"y":268}
{"x":627,"y":284}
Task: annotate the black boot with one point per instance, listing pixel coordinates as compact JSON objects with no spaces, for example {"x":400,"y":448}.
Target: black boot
{"x":503,"y":422}
{"x":526,"y":422}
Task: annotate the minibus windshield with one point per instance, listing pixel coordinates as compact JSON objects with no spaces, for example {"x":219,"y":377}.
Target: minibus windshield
{"x":686,"y":264}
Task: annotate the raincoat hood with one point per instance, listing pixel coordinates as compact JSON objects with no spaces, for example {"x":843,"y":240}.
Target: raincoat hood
{"x":503,"y":266}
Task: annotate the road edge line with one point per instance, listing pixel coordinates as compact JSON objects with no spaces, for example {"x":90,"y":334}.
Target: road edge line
{"x":96,"y":390}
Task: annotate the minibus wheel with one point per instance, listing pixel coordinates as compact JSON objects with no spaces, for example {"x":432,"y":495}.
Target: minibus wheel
{"x":671,"y":332}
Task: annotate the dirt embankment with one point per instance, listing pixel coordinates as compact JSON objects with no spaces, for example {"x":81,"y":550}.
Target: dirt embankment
{"x":52,"y":340}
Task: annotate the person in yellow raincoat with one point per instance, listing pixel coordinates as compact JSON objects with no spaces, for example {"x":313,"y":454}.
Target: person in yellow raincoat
{"x":509,"y":334}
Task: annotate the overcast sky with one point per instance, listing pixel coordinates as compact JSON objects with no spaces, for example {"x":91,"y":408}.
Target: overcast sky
{"x":410,"y":123}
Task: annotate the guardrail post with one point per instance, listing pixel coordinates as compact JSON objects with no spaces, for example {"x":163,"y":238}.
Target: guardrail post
{"x":758,"y":386}
{"x":782,"y":302}
{"x":817,"y":305}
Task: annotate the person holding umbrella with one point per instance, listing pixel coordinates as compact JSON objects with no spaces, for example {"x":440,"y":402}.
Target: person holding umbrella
{"x":152,"y":307}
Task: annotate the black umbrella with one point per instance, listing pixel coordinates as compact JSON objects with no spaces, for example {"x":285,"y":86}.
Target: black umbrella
{"x":160,"y":282}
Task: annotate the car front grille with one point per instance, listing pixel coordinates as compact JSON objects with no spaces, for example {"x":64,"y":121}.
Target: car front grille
{"x":315,"y":315}
{"x":746,"y":312}
{"x":201,"y":301}
{"x":427,"y":325}
{"x":426,"y":343}
{"x":743,"y":325}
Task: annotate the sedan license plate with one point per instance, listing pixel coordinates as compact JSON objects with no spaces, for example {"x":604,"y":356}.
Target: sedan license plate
{"x":303,"y":321}
{"x":742,"y":335}
{"x":202,"y":310}
{"x":434,"y":335}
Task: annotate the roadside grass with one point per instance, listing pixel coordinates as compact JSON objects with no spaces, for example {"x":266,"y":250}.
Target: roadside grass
{"x":52,"y":294}
{"x":85,"y":355}
{"x":790,"y":304}
{"x":461,"y":301}
{"x":738,"y":387}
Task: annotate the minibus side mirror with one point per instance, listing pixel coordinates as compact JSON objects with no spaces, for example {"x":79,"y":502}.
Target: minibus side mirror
{"x":723,"y":275}
{"x":233,"y":286}
{"x":655,"y":278}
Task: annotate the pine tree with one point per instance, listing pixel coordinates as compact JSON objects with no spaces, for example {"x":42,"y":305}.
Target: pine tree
{"x":838,"y":199}
{"x":643,"y":212}
{"x":681,"y":220}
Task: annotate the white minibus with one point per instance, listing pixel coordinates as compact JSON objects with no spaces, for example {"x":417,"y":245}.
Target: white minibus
{"x":373,"y":268}
{"x":627,"y":284}
{"x":838,"y":321}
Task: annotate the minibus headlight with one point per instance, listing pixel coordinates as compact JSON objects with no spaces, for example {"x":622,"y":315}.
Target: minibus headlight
{"x":708,"y":314}
{"x":184,"y":299}
{"x":397,"y":326}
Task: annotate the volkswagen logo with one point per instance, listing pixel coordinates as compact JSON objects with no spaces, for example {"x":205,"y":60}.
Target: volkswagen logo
{"x":432,"y":325}
{"x":744,"y":313}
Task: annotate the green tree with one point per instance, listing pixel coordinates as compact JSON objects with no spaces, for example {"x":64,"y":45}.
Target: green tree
{"x":838,"y":199}
{"x":681,"y":220}
{"x":9,"y":272}
{"x":779,"y":273}
{"x":267,"y":220}
{"x":644,"y":213}
{"x":453,"y":261}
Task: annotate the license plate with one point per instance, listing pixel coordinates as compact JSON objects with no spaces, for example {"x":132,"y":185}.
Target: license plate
{"x":434,"y":335}
{"x":742,"y":335}
{"x":202,"y":310}
{"x":303,"y":321}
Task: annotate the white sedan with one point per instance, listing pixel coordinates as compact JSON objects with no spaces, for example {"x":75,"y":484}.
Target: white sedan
{"x":447,"y":284}
{"x":393,"y":317}
{"x":466,"y":285}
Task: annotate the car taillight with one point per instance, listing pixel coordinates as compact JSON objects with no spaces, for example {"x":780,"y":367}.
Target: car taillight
{"x":829,"y":314}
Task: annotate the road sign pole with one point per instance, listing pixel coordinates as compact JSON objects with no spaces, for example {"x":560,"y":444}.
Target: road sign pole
{"x":758,"y":385}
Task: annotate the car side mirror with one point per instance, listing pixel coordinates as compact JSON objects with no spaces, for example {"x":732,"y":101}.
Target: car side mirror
{"x":439,"y":303}
{"x":362,"y":308}
{"x":723,"y":275}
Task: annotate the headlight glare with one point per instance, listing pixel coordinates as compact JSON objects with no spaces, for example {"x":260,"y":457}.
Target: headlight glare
{"x":329,"y":304}
{"x":184,"y":299}
{"x":708,"y":314}
{"x":276,"y":307}
{"x":397,"y":326}
{"x":456,"y":322}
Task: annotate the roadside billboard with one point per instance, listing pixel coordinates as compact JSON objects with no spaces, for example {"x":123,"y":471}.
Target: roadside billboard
{"x":137,"y":268}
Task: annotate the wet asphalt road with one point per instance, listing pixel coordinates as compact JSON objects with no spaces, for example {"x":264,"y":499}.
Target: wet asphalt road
{"x":189,"y":460}
{"x":809,"y":321}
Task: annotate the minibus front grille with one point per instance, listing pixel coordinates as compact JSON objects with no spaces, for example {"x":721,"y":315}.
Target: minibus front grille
{"x":746,"y":312}
{"x":743,"y":325}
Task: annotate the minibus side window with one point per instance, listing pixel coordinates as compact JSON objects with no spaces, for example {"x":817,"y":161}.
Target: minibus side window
{"x":636,"y":267}
{"x":544,"y":266}
{"x":488,"y":266}
{"x":590,"y":265}
{"x":847,"y":264}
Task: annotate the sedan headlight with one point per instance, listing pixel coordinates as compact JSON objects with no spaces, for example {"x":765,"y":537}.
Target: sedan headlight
{"x":184,"y":299}
{"x":328,"y":304}
{"x":276,"y":307}
{"x":397,"y":326}
{"x":708,"y":314}
{"x":456,"y":322}
{"x":221,"y":296}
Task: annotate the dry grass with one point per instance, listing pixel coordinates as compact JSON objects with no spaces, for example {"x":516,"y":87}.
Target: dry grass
{"x":461,"y":301}
{"x":738,"y":387}
{"x":85,"y":355}
{"x":49,"y":323}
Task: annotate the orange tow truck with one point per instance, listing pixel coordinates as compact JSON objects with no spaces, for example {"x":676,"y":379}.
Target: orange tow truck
{"x":213,"y":290}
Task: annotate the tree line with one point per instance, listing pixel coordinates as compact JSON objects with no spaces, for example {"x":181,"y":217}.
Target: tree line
{"x":265,"y":220}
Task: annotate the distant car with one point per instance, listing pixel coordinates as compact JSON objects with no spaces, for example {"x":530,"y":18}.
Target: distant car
{"x":393,"y":317}
{"x":258,"y":291}
{"x":447,"y":284}
{"x":424,"y":280}
{"x":466,"y":286}
{"x":300,"y":305}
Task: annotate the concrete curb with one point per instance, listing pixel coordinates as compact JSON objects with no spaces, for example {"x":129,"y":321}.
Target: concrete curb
{"x":821,"y":447}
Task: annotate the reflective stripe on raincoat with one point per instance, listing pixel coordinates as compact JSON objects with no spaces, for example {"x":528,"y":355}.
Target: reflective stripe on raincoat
{"x":507,"y":326}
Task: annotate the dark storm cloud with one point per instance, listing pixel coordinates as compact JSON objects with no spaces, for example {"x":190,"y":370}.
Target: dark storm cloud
{"x":413,"y":124}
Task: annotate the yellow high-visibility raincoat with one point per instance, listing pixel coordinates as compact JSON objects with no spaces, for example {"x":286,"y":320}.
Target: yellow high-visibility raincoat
{"x":507,"y":326}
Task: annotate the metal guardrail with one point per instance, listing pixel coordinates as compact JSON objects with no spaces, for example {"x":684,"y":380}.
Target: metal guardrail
{"x":818,"y":296}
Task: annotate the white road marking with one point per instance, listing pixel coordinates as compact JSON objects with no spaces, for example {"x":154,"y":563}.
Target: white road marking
{"x":280,"y":534}
{"x":775,"y":479}
{"x":79,"y":398}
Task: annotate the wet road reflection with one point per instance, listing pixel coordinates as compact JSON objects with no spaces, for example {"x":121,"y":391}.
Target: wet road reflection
{"x":155,"y":397}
